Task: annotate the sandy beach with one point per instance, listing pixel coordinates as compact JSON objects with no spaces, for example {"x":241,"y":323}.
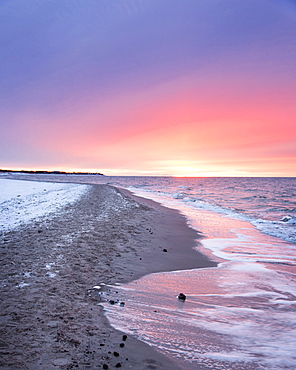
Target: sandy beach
{"x":51,"y":316}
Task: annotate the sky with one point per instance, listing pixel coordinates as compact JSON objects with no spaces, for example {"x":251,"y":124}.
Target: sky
{"x":149,"y":87}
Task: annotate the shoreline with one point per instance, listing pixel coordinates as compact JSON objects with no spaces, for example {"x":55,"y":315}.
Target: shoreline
{"x":56,"y":321}
{"x":170,"y":232}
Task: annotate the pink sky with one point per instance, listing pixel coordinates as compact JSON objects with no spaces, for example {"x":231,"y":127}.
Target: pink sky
{"x":149,"y":88}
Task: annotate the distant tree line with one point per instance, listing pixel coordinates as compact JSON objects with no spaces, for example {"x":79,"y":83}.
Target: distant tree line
{"x":53,"y":172}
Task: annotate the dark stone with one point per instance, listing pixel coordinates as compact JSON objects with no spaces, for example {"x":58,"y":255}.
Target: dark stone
{"x":118,"y":364}
{"x":121,"y":345}
{"x":116,"y":354}
{"x":164,"y":250}
{"x":122,"y":304}
{"x":111,"y":301}
{"x":124,"y":337}
{"x":105,"y":366}
{"x":182,"y":297}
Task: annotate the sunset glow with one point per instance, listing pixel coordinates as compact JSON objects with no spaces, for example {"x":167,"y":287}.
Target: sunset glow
{"x":146,"y":87}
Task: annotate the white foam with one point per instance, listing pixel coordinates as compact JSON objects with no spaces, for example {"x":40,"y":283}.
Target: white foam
{"x":244,"y":323}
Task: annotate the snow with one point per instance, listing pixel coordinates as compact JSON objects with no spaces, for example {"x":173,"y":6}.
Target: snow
{"x":25,"y":201}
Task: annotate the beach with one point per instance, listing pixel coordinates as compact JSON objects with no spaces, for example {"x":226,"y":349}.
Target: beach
{"x":54,"y":269}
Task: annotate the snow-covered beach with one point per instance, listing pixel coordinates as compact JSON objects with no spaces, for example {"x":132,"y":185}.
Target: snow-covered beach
{"x":52,"y":265}
{"x":239,"y":315}
{"x":24,"y":201}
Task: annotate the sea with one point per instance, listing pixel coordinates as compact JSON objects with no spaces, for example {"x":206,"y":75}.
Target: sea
{"x":240,"y":314}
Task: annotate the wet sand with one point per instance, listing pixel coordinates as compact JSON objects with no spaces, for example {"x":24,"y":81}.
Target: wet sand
{"x":50,"y":314}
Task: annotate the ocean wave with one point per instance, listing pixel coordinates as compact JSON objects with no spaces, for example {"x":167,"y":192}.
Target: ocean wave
{"x":278,"y":228}
{"x":289,"y":220}
{"x":269,"y":214}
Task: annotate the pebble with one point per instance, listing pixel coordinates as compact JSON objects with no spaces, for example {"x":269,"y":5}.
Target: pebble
{"x":182,"y":296}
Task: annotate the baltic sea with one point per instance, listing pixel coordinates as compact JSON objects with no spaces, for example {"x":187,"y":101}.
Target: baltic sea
{"x":240,"y":315}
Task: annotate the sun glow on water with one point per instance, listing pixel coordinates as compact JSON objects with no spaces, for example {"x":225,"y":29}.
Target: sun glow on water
{"x":190,"y":168}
